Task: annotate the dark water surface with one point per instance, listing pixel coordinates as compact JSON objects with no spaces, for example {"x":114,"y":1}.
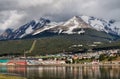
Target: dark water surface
{"x":53,"y":72}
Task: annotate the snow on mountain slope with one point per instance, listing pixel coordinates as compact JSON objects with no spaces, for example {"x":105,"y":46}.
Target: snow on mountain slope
{"x":96,"y":23}
{"x":72,"y":24}
{"x":26,"y":29}
{"x":47,"y":27}
{"x":29,"y":30}
{"x":100,"y":24}
{"x":69,"y":27}
{"x":75,"y":25}
{"x":76,"y":21}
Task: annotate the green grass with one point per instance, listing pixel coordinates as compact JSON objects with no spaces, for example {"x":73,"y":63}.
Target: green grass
{"x":10,"y":77}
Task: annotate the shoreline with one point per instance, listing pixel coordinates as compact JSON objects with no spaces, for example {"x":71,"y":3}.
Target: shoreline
{"x":81,"y":65}
{"x":64,"y":65}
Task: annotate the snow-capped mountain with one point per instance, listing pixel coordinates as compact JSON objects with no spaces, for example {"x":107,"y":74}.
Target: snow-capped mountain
{"x":75,"y":25}
{"x":101,"y":24}
{"x":24,"y":29}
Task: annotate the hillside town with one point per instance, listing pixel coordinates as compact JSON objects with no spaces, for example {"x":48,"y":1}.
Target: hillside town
{"x":98,"y":57}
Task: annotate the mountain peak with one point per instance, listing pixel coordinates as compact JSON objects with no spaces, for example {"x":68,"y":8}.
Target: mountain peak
{"x":77,"y":21}
{"x":75,"y":17}
{"x":44,"y":19}
{"x":75,"y":25}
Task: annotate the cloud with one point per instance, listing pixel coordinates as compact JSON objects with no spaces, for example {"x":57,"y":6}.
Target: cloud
{"x":33,"y":3}
{"x":22,"y":11}
{"x":10,"y":19}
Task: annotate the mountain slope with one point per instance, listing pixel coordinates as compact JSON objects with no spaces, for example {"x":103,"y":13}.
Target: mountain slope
{"x":54,"y":44}
{"x":25,"y":29}
{"x":76,"y":25}
{"x":100,"y":24}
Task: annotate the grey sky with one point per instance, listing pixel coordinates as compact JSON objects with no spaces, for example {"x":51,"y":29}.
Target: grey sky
{"x":14,"y":13}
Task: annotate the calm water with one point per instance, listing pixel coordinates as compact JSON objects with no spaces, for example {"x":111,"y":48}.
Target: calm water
{"x":52,"y":72}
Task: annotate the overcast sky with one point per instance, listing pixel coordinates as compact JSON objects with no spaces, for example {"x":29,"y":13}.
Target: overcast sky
{"x":14,"y":13}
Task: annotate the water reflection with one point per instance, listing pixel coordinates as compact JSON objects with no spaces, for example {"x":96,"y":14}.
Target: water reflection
{"x":53,"y":72}
{"x":13,"y":70}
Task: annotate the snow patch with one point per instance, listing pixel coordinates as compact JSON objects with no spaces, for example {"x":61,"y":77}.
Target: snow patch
{"x":71,"y":28}
{"x":60,"y":31}
{"x":29,"y":30}
{"x":43,"y":29}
